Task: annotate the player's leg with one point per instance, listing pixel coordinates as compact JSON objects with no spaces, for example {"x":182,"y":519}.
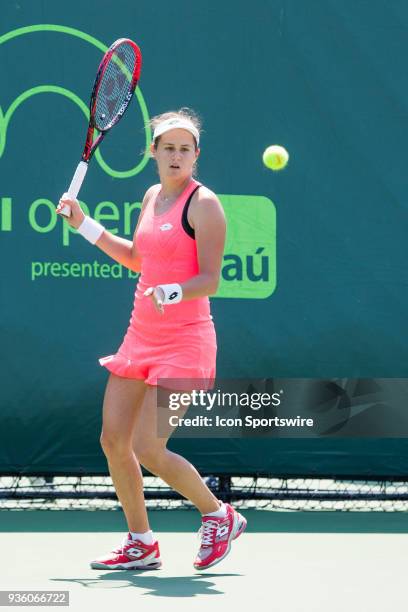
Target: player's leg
{"x":221,"y":524}
{"x":122,"y":403}
{"x":121,"y":406}
{"x":153,"y":454}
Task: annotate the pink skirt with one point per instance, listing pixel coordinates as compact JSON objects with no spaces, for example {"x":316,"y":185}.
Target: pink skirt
{"x":181,"y":358}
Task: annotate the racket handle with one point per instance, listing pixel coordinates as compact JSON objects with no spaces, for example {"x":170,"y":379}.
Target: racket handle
{"x":75,"y":185}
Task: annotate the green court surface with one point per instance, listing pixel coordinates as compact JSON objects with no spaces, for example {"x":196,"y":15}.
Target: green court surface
{"x":285,"y":561}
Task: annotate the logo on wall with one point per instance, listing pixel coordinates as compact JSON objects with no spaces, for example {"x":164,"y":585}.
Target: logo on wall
{"x":249,"y":265}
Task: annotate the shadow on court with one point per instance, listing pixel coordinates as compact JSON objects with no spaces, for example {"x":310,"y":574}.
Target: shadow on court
{"x":158,"y":585}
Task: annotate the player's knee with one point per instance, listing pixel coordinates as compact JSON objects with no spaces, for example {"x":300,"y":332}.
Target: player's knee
{"x":114,"y":445}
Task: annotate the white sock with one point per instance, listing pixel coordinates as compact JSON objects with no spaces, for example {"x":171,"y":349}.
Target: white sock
{"x":220,"y":513}
{"x":146,"y":538}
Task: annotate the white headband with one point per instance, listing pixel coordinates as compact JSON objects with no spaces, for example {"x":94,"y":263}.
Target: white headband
{"x":176,"y":123}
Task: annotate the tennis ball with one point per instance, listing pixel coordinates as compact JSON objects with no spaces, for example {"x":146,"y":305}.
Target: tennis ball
{"x":275,"y":157}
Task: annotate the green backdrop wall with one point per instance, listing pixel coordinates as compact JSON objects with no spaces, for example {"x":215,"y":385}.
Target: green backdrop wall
{"x":314,"y":282}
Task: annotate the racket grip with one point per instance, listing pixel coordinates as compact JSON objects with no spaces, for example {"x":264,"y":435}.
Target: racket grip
{"x":75,"y":185}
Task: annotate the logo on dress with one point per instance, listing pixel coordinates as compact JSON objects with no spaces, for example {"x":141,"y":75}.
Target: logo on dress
{"x":166,"y":226}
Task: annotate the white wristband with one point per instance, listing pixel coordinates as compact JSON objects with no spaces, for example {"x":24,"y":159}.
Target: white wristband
{"x":91,"y":230}
{"x":172,"y":293}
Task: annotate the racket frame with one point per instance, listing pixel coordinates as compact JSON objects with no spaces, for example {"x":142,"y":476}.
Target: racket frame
{"x":92,"y":144}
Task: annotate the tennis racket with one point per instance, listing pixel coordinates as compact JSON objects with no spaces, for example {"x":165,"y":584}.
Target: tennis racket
{"x":114,"y":86}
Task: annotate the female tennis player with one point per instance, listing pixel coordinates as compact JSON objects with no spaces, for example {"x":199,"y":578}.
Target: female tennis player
{"x":177,"y":246}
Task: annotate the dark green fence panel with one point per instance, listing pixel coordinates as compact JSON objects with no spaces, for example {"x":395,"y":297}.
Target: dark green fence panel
{"x":324,"y":78}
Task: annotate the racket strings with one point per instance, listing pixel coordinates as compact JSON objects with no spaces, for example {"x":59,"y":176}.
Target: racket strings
{"x":115,"y":85}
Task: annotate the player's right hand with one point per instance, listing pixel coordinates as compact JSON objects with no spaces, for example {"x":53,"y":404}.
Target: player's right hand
{"x":77,"y":214}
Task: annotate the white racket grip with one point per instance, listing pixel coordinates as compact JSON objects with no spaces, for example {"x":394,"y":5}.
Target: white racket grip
{"x":75,"y":185}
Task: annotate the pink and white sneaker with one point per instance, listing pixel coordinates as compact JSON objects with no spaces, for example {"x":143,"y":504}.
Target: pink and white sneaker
{"x":133,"y":554}
{"x":216,"y":537}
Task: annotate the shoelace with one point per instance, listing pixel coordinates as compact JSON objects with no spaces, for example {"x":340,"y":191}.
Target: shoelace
{"x":120,"y":548}
{"x":206,"y":532}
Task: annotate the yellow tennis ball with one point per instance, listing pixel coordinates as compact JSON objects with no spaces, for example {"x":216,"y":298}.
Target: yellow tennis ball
{"x":275,"y":157}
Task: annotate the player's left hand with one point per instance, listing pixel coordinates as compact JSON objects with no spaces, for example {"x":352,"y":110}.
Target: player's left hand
{"x":157,"y":295}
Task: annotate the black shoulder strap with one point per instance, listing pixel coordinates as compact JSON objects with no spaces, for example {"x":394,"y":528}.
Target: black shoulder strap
{"x":186,"y":226}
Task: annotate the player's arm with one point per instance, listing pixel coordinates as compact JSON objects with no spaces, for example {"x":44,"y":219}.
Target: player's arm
{"x":120,"y":249}
{"x":208,"y":221}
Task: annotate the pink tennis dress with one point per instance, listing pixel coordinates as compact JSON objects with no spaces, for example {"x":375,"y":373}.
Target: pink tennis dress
{"x":181,"y":343}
